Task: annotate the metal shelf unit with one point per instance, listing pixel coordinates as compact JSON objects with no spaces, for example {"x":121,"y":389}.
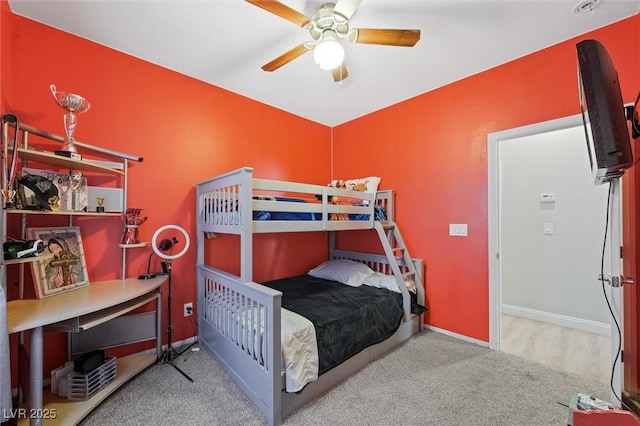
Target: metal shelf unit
{"x":109,"y":163}
{"x":22,"y":312}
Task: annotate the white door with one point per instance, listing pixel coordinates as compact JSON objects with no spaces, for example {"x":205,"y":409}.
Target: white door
{"x":546,"y":232}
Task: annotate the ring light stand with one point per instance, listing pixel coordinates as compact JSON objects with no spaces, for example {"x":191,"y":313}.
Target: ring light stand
{"x":170,"y":354}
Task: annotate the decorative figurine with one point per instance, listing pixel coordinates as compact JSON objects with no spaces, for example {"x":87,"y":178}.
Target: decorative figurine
{"x":131,"y":223}
{"x":78,"y":191}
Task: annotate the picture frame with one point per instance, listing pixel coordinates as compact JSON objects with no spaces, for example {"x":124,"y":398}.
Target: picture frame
{"x":62,"y":266}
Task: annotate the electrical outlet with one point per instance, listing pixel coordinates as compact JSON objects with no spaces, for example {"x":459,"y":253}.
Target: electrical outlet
{"x":458,"y":229}
{"x":188,"y":309}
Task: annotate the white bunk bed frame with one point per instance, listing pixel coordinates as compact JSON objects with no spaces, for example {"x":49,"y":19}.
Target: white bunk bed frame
{"x":225,"y":204}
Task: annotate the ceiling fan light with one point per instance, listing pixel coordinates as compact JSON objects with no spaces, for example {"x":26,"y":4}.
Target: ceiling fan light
{"x":328,"y":54}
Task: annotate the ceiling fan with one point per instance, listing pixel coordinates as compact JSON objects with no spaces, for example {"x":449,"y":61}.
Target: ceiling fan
{"x":329,"y":24}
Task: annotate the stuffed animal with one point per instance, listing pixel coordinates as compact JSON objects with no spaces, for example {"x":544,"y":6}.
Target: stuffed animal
{"x":359,"y":186}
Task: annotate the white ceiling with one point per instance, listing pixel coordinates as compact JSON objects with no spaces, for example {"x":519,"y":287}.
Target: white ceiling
{"x":225,"y":43}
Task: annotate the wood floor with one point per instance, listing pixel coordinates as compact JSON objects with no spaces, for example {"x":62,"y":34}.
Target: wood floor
{"x":574,"y":351}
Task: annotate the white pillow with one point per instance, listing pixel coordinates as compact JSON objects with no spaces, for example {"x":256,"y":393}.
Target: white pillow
{"x":380,"y":280}
{"x":344,"y":271}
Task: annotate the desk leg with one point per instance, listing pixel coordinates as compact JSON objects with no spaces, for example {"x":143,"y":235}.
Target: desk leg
{"x":35,"y":376}
{"x":158,"y":325}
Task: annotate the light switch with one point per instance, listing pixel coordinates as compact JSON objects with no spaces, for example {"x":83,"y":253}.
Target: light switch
{"x":548,"y":229}
{"x":548,"y":197}
{"x":458,"y":229}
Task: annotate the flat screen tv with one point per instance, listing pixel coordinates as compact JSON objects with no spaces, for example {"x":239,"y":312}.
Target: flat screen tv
{"x":603,"y":113}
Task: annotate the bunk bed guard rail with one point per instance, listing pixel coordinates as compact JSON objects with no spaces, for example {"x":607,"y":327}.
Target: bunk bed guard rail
{"x":226,"y":204}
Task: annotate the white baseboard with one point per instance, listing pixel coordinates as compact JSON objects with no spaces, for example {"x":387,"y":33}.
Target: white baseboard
{"x":456,"y":335}
{"x":175,"y":345}
{"x":589,"y":326}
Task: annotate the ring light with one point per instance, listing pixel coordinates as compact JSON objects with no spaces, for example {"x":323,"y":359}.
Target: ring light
{"x":157,"y":251}
{"x":170,"y":354}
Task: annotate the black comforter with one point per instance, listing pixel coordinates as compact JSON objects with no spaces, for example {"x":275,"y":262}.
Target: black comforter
{"x":347,"y":319}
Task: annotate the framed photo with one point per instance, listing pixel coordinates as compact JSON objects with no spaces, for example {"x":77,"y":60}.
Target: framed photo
{"x":61,"y":267}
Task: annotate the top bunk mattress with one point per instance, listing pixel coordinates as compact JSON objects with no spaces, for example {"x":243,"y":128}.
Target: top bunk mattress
{"x":263,"y":215}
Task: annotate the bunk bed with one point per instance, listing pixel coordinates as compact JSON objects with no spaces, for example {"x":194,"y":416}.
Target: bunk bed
{"x":249,"y":328}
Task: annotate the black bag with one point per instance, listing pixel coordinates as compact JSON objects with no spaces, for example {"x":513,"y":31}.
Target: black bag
{"x":37,"y":192}
{"x":88,"y":362}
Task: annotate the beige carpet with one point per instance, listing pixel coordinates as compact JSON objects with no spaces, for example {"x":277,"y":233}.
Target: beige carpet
{"x":432,"y":379}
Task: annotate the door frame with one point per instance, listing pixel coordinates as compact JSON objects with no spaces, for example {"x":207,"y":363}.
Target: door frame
{"x":493,"y":159}
{"x":630,"y":373}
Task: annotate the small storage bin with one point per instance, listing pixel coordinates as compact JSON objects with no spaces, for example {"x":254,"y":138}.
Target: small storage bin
{"x":84,"y":386}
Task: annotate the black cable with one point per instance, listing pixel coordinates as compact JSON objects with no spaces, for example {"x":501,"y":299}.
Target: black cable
{"x":194,"y":326}
{"x":633,"y":111}
{"x":604,"y":291}
{"x":619,"y":350}
{"x":149,"y":263}
{"x":192,"y":344}
{"x":634,"y":129}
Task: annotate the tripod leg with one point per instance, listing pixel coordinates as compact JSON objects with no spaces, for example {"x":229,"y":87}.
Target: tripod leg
{"x":182,"y":372}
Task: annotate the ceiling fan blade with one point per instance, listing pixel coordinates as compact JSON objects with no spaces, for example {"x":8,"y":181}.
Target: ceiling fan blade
{"x":340,"y":73}
{"x":346,"y":8}
{"x":285,"y":58}
{"x":406,"y":38}
{"x":281,"y":10}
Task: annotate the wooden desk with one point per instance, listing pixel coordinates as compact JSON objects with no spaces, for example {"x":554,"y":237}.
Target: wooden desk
{"x":75,"y":311}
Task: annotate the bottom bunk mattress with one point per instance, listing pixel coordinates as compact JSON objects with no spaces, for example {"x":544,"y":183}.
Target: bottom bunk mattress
{"x":346,"y":319}
{"x":242,"y":321}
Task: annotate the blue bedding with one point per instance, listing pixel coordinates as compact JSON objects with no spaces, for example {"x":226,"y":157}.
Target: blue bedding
{"x":266,"y":215}
{"x":379,"y":212}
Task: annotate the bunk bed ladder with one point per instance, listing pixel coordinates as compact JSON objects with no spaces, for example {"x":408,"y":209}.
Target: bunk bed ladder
{"x":397,"y":253}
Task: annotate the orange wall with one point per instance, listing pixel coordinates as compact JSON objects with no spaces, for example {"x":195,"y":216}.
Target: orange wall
{"x":432,"y":150}
{"x":185,"y":130}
